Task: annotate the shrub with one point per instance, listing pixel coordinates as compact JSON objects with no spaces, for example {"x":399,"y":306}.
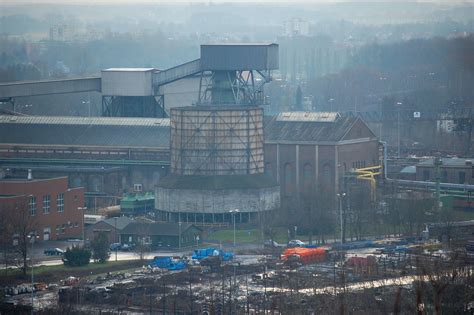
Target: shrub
{"x":76,"y":256}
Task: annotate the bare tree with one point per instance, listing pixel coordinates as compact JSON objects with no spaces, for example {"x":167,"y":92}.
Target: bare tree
{"x":17,"y":229}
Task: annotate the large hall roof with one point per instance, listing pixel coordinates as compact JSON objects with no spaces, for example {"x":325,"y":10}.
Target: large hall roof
{"x":85,"y":131}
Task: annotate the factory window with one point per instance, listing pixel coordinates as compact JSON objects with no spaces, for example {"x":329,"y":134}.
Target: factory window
{"x":77,"y":182}
{"x":60,"y":202}
{"x":444,"y":176}
{"x":462,"y":177}
{"x":307,"y":176}
{"x":327,"y":175}
{"x":288,"y":179}
{"x":137,"y":187}
{"x":32,"y":205}
{"x":96,"y":184}
{"x":268,"y":169}
{"x":46,"y":204}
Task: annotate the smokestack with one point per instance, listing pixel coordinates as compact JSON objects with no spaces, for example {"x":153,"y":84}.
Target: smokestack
{"x":30,"y":174}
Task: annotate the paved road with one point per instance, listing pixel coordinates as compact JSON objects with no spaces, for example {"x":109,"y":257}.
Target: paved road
{"x":41,"y":259}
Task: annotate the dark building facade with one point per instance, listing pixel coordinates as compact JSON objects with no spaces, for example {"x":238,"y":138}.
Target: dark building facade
{"x":112,"y":228}
{"x":161,"y":235}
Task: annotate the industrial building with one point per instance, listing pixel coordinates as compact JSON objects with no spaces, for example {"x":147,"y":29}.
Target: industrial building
{"x":218,"y":155}
{"x":309,"y":153}
{"x":217,"y":158}
{"x":106,"y":156}
{"x":51,"y":209}
{"x":451,"y":170}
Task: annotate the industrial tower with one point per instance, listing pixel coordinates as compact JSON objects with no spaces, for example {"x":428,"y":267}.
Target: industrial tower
{"x":217,"y":160}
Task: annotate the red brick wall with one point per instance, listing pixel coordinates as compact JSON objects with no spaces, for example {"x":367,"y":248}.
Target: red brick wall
{"x":63,"y":225}
{"x":325,"y":185}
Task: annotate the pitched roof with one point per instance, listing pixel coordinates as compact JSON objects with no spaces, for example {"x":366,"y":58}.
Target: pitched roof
{"x":299,"y":127}
{"x":84,"y":131}
{"x":122,"y":222}
{"x":156,"y":228}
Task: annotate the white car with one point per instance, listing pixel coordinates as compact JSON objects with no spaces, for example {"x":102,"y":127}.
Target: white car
{"x":296,"y":243}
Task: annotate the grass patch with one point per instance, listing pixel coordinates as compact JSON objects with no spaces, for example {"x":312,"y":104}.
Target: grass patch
{"x":241,"y":236}
{"x":54,"y":273}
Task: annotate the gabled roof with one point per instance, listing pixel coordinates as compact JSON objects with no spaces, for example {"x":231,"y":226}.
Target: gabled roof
{"x":122,"y":222}
{"x":156,"y":228}
{"x":85,"y":131}
{"x":308,"y":127}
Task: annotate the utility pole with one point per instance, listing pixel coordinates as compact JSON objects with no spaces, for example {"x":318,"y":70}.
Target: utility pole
{"x":437,"y":164}
{"x":115,"y":229}
{"x":398,"y":129}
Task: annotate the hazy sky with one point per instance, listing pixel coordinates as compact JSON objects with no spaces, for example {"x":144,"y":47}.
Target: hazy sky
{"x":208,"y":1}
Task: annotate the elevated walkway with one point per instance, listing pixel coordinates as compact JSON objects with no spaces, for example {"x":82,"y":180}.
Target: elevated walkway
{"x":176,"y":73}
{"x":48,"y":87}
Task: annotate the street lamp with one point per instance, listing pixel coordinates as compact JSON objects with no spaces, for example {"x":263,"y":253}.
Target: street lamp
{"x":233,"y":213}
{"x":398,"y":129}
{"x":179,"y":232}
{"x":83,"y":209}
{"x":115,"y":229}
{"x":341,"y":195}
{"x":32,"y":237}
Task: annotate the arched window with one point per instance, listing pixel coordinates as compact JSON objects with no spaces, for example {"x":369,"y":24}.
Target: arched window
{"x":307,"y":176}
{"x":327,"y":176}
{"x":288,"y":179}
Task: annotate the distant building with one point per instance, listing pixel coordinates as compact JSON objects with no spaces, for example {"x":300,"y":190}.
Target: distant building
{"x":109,"y":156}
{"x":452,"y":170}
{"x":296,"y":27}
{"x":308,"y":153}
{"x":62,"y":32}
{"x":52,"y":208}
{"x":112,"y":227}
{"x":161,"y":235}
{"x":458,"y":232}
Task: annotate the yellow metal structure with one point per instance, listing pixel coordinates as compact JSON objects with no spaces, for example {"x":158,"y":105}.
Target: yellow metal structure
{"x":369,"y":173}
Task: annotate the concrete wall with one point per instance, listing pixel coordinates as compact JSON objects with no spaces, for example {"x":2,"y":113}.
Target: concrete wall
{"x":217,"y":201}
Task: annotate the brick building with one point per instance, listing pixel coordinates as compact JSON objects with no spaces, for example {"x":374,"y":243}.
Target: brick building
{"x":309,"y":153}
{"x":106,"y":155}
{"x":306,"y":152}
{"x":53,"y":209}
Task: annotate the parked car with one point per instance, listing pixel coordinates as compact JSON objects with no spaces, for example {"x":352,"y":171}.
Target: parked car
{"x":54,"y":252}
{"x":115,"y":246}
{"x":270,"y":243}
{"x":296,"y":243}
{"x":128,"y":247}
